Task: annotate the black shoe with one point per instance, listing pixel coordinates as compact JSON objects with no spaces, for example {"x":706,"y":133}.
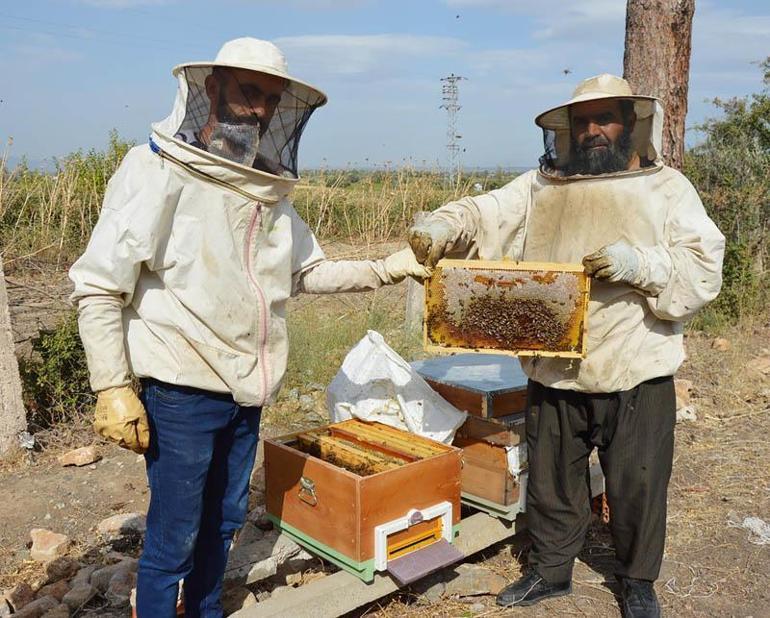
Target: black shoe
{"x":639,"y":599}
{"x":530,"y":589}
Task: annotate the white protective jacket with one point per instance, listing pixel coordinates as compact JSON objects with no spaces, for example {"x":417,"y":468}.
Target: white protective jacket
{"x":188,"y":270}
{"x":634,"y":333}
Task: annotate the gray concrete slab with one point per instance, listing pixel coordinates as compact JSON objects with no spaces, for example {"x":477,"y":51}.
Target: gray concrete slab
{"x":342,"y":592}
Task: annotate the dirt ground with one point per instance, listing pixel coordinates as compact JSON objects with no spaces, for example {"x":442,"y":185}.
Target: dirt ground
{"x":721,"y":476}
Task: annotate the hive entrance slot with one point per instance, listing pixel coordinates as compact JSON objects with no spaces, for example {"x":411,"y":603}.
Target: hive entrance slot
{"x":413,"y":538}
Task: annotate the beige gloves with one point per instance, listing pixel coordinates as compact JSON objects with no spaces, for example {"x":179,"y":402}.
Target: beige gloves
{"x":617,"y":262}
{"x":403,"y":264}
{"x":121,"y":418}
{"x":431,"y":240}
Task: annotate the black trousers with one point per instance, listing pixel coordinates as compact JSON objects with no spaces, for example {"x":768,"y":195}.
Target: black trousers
{"x":634,"y":433}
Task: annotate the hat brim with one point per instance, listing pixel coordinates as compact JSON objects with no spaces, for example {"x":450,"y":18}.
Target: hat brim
{"x":256,"y":69}
{"x":557,"y":118}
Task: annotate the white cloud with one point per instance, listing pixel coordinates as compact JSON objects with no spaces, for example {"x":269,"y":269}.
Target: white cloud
{"x":377,"y":55}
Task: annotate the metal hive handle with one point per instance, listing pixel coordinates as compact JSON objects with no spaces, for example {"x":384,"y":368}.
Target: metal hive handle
{"x":307,"y":491}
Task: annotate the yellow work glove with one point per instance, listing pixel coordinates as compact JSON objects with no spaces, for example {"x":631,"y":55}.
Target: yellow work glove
{"x":403,"y":264}
{"x":121,"y":418}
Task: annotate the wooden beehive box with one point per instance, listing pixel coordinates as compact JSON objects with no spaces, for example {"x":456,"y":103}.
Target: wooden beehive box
{"x":493,"y":389}
{"x":332,"y":488}
{"x":484,"y":385}
{"x":520,"y":308}
{"x":487,"y":478}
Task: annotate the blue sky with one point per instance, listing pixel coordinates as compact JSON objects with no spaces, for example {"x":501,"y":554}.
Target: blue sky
{"x":71,"y":70}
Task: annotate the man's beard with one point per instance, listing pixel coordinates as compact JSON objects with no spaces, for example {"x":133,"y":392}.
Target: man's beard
{"x":235,"y":137}
{"x":614,"y":158}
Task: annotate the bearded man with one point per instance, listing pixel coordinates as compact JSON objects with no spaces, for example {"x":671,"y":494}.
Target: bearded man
{"x":184,"y":285}
{"x":603,"y":196}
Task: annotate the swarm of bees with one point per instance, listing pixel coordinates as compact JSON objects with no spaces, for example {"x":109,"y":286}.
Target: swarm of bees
{"x":514,"y":310}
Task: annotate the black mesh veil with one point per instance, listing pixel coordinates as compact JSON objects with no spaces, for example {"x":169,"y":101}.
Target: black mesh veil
{"x":646,"y":136}
{"x":278,"y":142}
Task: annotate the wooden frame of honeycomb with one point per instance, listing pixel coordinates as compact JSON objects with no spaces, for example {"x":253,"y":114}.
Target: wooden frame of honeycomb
{"x":507,"y":307}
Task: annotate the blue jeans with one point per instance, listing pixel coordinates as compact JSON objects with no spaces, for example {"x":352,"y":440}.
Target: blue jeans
{"x":202,"y":450}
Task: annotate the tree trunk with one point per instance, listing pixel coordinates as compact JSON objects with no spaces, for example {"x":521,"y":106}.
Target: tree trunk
{"x":657,"y":62}
{"x":13,"y":419}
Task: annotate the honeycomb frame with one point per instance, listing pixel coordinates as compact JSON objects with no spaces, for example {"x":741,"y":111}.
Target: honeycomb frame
{"x":548,"y":303}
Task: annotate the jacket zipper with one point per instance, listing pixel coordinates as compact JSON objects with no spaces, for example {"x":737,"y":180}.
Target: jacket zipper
{"x":262,"y":361}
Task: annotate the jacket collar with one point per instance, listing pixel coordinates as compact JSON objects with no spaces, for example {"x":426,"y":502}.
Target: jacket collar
{"x":255,"y":184}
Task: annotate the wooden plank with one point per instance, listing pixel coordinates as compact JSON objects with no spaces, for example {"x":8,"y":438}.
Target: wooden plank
{"x":492,"y":431}
{"x":485,"y":472}
{"x":418,"y":485}
{"x":374,"y":439}
{"x":431,"y":445}
{"x":510,"y":265}
{"x":460,"y":398}
{"x":340,"y":593}
{"x":384,"y":434}
{"x":334,"y":518}
{"x":346,"y":454}
{"x":507,"y":403}
{"x":386,"y":449}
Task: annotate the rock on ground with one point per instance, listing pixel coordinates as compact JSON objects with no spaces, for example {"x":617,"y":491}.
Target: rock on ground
{"x":79,"y":595}
{"x":102,"y":578}
{"x":235,"y":598}
{"x":19,"y":596}
{"x":721,"y":344}
{"x":473,"y":580}
{"x":56,"y":590}
{"x":47,"y":545}
{"x":123,"y":523}
{"x":80,"y":456}
{"x":60,"y":611}
{"x":37,"y":608}
{"x":683,"y":391}
{"x":61,"y":568}
{"x":120,"y":586}
{"x":83,"y":576}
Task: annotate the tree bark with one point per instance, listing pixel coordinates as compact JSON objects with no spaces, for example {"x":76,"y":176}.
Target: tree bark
{"x":13,"y":418}
{"x":657,"y":62}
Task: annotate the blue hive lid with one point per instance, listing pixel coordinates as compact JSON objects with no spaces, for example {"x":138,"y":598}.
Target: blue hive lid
{"x":485,"y":373}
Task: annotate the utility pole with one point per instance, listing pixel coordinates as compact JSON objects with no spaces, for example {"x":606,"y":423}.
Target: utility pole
{"x":450,"y":94}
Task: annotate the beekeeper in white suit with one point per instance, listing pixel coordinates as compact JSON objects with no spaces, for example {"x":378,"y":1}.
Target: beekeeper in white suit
{"x":184,"y":285}
{"x":602,"y":196}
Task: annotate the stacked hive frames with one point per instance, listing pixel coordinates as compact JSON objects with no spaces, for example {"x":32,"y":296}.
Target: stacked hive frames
{"x":331,"y":487}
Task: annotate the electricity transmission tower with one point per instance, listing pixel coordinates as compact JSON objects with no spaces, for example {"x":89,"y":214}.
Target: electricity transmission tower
{"x":450,"y":95}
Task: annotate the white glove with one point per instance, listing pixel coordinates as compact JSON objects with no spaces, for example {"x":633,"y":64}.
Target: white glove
{"x":617,"y":262}
{"x":431,"y":240}
{"x":403,"y":264}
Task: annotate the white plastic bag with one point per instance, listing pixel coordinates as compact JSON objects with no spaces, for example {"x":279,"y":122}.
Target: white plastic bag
{"x":376,"y":384}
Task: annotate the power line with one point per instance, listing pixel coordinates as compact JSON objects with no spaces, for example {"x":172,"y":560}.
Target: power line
{"x":89,"y":34}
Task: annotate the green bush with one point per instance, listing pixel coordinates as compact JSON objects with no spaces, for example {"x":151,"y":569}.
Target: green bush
{"x":731,"y":170}
{"x":55,"y":377}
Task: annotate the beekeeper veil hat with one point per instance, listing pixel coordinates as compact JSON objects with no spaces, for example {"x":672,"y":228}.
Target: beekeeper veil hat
{"x":647,"y":135}
{"x":229,"y":127}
